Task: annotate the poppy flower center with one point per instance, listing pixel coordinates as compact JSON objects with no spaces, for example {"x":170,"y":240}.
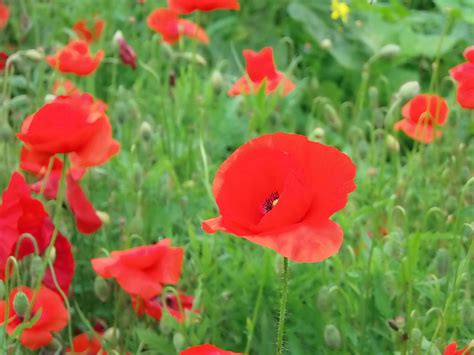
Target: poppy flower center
{"x":270,"y":202}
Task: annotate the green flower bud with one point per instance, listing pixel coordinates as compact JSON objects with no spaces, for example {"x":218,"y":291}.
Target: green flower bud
{"x":2,"y":290}
{"x":112,"y":335}
{"x":389,"y":51}
{"x":36,"y":266}
{"x":374,"y":96}
{"x":146,"y":131}
{"x":326,"y":43}
{"x":468,"y":230}
{"x":331,"y":116}
{"x":178,"y":342}
{"x":318,"y":135}
{"x":324,"y":299}
{"x":392,"y":143}
{"x":442,"y":261}
{"x":167,"y":323}
{"x":416,"y":337}
{"x":217,"y":79}
{"x":21,"y":304}
{"x":102,"y":289}
{"x":409,"y":90}
{"x":332,"y":337}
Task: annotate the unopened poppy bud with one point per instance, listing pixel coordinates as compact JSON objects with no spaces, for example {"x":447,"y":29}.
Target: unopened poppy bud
{"x":189,"y":184}
{"x":374,"y":96}
{"x":326,"y":43}
{"x":178,"y":342}
{"x":52,"y":255}
{"x":146,"y":131}
{"x":2,"y":290}
{"x":126,"y":51}
{"x":392,"y":143}
{"x":468,"y":230}
{"x":416,"y":337}
{"x":332,"y":116}
{"x":393,"y":248}
{"x":102,"y":289}
{"x":36,"y":266}
{"x":332,"y":337}
{"x":389,"y":51}
{"x":166,"y":323}
{"x":193,"y":58}
{"x":467,"y":312}
{"x":49,"y":98}
{"x":409,"y":89}
{"x":36,"y":55}
{"x":21,"y":304}
{"x":442,"y":261}
{"x":103,"y":216}
{"x":112,"y":335}
{"x":54,"y":345}
{"x":324,"y":299}
{"x":318,"y":134}
{"x":6,"y":131}
{"x":217,"y":79}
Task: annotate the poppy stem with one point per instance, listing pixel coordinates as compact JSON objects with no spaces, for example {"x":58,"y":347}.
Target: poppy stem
{"x":283,"y":300}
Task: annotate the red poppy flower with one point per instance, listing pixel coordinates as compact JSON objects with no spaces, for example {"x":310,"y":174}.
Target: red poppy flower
{"x":171,"y":27}
{"x":19,"y":214}
{"x":89,"y":33}
{"x":142,"y":271}
{"x":171,"y":304}
{"x":279,"y":190}
{"x":4,"y":15}
{"x":86,"y":218}
{"x":64,"y":87}
{"x":3,"y":60}
{"x":206,"y":349}
{"x":188,"y":6}
{"x":76,"y":58}
{"x":451,"y":349}
{"x":75,"y":124}
{"x":464,"y":75}
{"x":84,"y":344}
{"x":126,"y":51}
{"x":261,"y":70}
{"x":53,"y":318}
{"x":421,"y":115}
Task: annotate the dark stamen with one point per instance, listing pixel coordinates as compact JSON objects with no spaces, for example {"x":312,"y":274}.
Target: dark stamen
{"x":270,"y":202}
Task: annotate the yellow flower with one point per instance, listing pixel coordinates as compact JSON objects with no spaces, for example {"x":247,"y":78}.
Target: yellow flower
{"x":339,"y":10}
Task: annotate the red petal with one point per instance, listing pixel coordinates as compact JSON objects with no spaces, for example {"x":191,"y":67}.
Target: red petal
{"x":87,"y":220}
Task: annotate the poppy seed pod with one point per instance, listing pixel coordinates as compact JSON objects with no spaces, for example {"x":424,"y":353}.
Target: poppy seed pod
{"x":21,"y":304}
{"x":389,"y":51}
{"x":102,"y":289}
{"x":178,"y":341}
{"x":409,"y":89}
{"x":332,"y":337}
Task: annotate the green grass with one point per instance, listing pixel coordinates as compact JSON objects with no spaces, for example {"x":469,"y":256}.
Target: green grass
{"x":159,"y":185}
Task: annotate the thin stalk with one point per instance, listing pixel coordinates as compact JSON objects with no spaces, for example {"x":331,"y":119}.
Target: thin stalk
{"x":283,"y":300}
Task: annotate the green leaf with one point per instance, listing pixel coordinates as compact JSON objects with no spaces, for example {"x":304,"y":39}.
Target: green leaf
{"x":155,"y":342}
